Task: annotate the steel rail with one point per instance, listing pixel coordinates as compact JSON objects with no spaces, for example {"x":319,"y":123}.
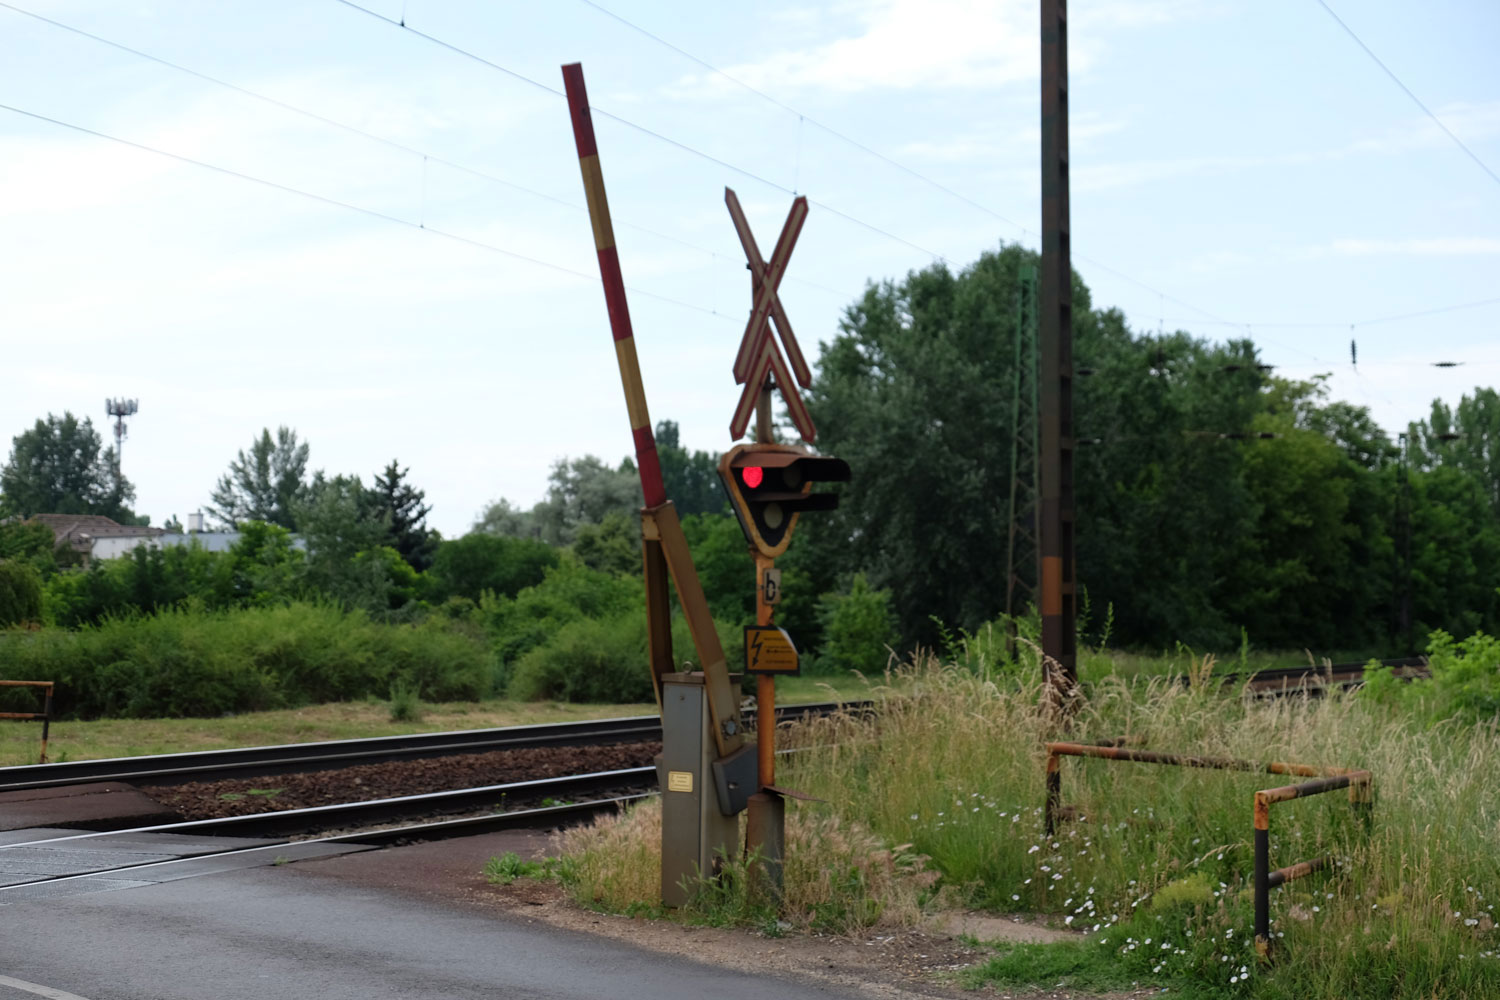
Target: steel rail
{"x":246,"y":762}
{"x":1276,"y":680}
{"x":311,"y":819}
{"x":290,"y":824}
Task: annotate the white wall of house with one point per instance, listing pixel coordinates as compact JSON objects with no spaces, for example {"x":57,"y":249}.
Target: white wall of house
{"x":214,"y":541}
{"x":118,"y":545}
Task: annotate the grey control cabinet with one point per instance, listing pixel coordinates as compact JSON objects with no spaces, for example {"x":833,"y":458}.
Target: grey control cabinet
{"x":695,"y":833}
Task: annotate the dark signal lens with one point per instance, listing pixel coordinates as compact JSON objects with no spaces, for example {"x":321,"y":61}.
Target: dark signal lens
{"x":753,"y":476}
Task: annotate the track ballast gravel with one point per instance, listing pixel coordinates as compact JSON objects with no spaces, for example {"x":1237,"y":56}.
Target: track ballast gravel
{"x":246,"y":796}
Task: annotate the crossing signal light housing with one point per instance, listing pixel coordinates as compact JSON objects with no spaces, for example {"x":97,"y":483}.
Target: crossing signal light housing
{"x":770,"y":484}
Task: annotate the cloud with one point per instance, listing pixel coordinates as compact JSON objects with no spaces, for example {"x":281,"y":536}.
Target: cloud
{"x":991,"y":145}
{"x":1137,"y":13}
{"x":1442,"y":246}
{"x":900,"y":45}
{"x":1468,"y":120}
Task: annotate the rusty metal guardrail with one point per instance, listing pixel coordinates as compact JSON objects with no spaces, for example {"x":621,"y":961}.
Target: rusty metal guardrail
{"x":45,"y":714}
{"x":1326,"y":779}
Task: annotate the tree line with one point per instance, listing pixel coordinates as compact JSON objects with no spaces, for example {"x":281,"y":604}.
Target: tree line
{"x":1212,"y":494}
{"x":1217,"y":502}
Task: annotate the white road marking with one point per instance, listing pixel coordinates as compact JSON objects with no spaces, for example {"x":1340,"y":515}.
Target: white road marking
{"x":41,"y":991}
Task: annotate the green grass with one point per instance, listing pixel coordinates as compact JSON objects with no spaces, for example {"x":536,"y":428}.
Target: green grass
{"x":76,"y":740}
{"x":100,"y":738}
{"x":948,"y":783}
{"x":507,"y":867}
{"x":1039,"y":967}
{"x":1094,"y":665}
{"x":955,"y":768}
{"x":818,"y":687}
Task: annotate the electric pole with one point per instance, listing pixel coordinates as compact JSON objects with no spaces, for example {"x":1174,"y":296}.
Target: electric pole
{"x":1058,"y":587}
{"x":1020,"y":547}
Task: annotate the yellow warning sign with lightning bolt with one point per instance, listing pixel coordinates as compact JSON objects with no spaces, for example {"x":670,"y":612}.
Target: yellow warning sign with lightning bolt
{"x":769,"y":650}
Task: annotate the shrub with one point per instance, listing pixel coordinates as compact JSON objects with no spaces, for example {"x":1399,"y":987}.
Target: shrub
{"x":1465,"y":682}
{"x":567,"y":593}
{"x":478,"y":562}
{"x":20,"y":594}
{"x":405,"y":705}
{"x":858,"y":628}
{"x":599,"y":656}
{"x":194,"y":662}
{"x":589,"y":661}
{"x":612,"y":546}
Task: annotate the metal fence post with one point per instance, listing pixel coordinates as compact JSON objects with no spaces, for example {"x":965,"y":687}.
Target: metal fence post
{"x":46,"y":721}
{"x":1054,"y":791}
{"x":1262,"y":876}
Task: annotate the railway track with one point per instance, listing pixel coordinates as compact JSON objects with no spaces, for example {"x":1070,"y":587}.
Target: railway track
{"x":43,"y":863}
{"x":47,"y":861}
{"x":1316,"y":679}
{"x":249,"y":762}
{"x":51,"y":862}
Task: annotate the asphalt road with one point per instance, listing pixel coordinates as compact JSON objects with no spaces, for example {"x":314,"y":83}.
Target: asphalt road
{"x":259,"y":934}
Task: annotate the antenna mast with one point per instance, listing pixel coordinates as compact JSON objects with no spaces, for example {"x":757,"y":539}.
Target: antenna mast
{"x":120,"y":409}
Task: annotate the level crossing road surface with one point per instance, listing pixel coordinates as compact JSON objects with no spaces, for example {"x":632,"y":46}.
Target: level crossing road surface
{"x":271,"y":932}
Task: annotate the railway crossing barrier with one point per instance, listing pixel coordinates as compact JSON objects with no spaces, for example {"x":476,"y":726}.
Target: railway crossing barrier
{"x":1263,"y":878}
{"x":769,"y":484}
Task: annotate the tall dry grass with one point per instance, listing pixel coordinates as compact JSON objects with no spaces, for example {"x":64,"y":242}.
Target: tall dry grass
{"x":947,"y":779}
{"x":954,"y":765}
{"x":839,"y":877}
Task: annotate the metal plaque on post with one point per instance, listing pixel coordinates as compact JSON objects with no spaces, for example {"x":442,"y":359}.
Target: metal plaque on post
{"x":769,"y":650}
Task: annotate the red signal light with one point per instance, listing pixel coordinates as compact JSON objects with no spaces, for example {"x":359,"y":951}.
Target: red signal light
{"x":753,"y":475}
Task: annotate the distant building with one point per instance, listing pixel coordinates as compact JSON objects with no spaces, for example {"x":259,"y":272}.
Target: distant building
{"x":94,"y":536}
{"x":213,"y":541}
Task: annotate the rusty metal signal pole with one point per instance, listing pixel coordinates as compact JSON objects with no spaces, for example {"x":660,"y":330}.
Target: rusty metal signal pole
{"x":765,"y":815}
{"x":1055,"y":528}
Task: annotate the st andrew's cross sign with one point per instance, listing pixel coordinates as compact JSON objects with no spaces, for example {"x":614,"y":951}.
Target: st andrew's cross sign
{"x":759,"y":357}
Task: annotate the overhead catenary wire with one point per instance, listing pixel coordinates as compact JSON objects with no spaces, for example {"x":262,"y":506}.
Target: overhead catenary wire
{"x":426,"y":156}
{"x":742,"y":171}
{"x":931,"y":182}
{"x":349,"y":206}
{"x":1409,"y":93}
{"x":773,"y":184}
{"x":803,"y":117}
{"x":1352,"y":328}
{"x":1327,"y":324}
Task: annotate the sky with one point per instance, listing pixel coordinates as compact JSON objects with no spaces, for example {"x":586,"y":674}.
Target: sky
{"x":374,"y":233}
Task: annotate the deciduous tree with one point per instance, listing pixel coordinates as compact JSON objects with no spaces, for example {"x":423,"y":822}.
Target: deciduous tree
{"x":60,"y":466}
{"x":478,"y":562}
{"x":691,"y":478}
